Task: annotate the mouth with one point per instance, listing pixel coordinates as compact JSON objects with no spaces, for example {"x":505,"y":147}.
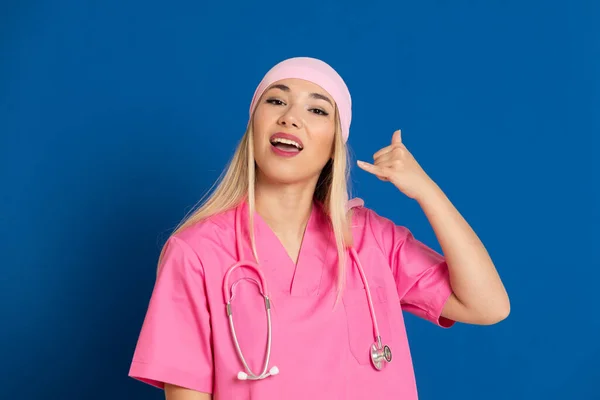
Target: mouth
{"x":286,"y":143}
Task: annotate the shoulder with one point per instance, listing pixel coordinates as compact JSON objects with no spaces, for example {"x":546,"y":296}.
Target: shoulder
{"x":366,"y":222}
{"x":208,"y":228}
{"x":212,"y":234}
{"x":363,"y":216}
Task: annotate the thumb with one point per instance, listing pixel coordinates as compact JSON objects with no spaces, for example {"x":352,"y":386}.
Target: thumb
{"x":397,"y":137}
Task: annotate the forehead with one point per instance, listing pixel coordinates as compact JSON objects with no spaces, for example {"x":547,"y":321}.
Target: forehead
{"x":300,"y":86}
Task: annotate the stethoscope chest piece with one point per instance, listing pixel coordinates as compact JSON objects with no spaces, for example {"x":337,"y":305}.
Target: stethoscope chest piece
{"x":379,"y":354}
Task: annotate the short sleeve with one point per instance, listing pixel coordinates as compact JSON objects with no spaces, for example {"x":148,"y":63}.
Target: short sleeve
{"x":174,"y":345}
{"x":420,"y":273}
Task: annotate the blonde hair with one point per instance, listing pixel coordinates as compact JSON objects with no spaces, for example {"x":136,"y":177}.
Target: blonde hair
{"x":238,"y":183}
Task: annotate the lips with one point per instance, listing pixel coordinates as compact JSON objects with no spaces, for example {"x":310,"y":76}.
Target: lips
{"x":286,"y":145}
{"x":287,"y":140}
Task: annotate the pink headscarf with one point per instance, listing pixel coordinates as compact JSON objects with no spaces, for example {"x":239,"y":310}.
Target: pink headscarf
{"x":317,"y":72}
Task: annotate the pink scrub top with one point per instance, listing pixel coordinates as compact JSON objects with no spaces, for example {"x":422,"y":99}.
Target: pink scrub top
{"x":322,"y":352}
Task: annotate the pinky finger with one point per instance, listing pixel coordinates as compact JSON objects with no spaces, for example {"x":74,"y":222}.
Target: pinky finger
{"x":373,"y":169}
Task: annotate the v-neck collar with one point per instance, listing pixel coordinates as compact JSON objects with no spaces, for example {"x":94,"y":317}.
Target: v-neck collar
{"x":298,"y":279}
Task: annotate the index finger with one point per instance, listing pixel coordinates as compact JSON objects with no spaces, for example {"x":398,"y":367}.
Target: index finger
{"x":387,"y":149}
{"x":383,"y":151}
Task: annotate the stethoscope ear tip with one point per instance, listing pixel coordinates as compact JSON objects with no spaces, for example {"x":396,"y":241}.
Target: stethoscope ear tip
{"x":243,"y":376}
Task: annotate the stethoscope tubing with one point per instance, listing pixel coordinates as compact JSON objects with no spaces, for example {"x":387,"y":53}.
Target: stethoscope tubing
{"x":229,"y":294}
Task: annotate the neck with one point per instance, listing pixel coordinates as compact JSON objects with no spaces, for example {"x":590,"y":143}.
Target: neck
{"x":285,"y":208}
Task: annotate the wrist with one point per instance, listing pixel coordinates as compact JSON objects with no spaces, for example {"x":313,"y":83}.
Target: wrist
{"x":428,"y":193}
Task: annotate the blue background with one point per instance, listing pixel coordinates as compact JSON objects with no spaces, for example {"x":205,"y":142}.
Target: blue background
{"x":117,"y":117}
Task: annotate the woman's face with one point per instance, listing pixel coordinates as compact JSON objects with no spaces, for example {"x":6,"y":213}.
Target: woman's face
{"x":294,"y":128}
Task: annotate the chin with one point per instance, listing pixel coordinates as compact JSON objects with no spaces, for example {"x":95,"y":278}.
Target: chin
{"x":287,"y":174}
{"x":278,"y":169}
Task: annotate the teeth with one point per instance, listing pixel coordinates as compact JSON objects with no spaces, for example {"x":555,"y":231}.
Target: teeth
{"x":286,"y":141}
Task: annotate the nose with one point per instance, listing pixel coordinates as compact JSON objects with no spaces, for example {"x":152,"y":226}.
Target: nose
{"x":288,"y":119}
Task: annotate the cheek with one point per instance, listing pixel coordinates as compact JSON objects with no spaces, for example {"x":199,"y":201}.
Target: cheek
{"x":264,"y":116}
{"x":322,"y":146}
{"x":260,"y":125}
{"x":326,"y":139}
{"x":259,"y":120}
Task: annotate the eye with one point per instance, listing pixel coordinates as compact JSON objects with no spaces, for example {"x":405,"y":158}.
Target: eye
{"x":319,"y":111}
{"x":276,"y":102}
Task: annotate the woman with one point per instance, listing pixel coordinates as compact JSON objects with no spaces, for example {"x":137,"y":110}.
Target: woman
{"x":336,"y":275}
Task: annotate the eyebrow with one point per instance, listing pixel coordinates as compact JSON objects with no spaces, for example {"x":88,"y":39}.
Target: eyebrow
{"x":313,"y":95}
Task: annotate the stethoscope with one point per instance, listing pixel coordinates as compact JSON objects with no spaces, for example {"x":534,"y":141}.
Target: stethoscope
{"x":379,"y":352}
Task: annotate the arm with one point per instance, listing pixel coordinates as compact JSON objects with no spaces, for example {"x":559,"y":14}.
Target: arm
{"x":174,"y":346}
{"x":479,"y":297}
{"x":173,"y":392}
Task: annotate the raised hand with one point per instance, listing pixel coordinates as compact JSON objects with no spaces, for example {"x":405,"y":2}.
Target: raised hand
{"x":395,"y":164}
